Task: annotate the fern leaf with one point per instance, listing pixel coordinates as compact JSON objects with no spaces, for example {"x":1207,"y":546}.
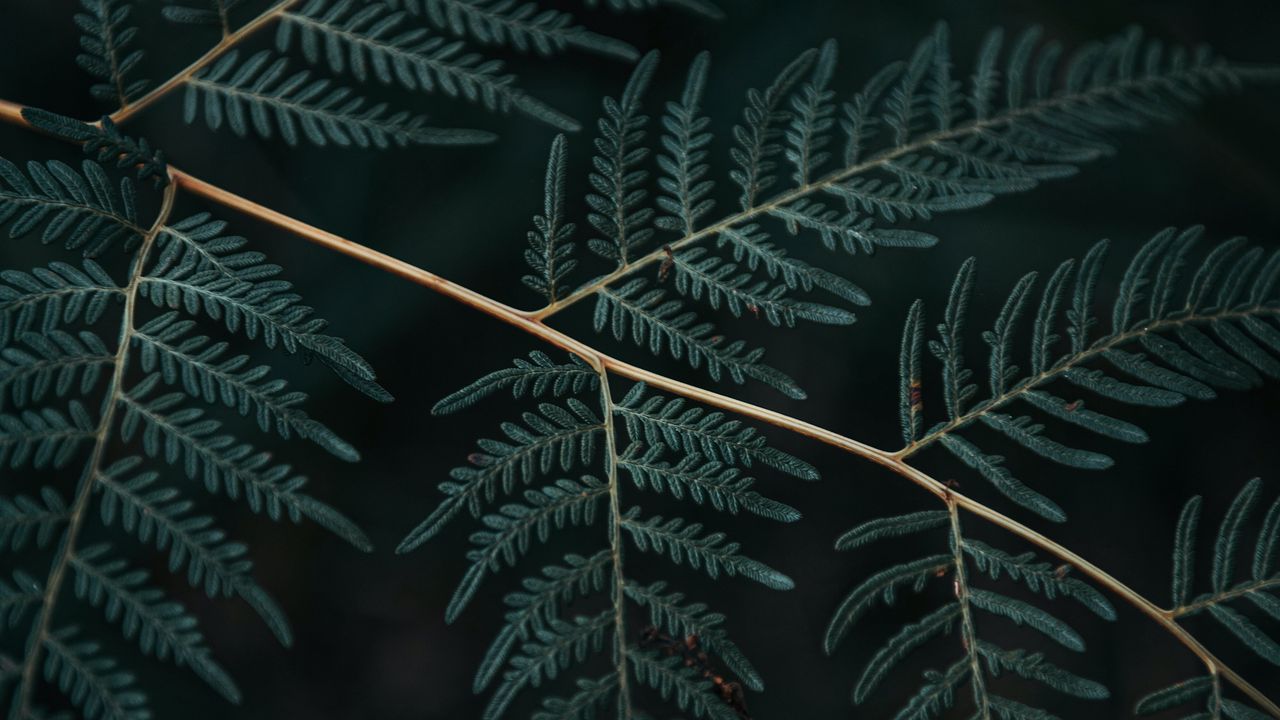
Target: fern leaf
{"x":1229,"y":532}
{"x":16,"y":599}
{"x":812,"y":119}
{"x":660,"y":322}
{"x":216,"y":14}
{"x":538,"y":605}
{"x":991,"y":469}
{"x":57,"y":295}
{"x":660,"y":421}
{"x":669,"y":677}
{"x":704,"y":481}
{"x":93,"y":681}
{"x":892,"y":527}
{"x":105,"y":41}
{"x":949,"y":348}
{"x":882,"y":586}
{"x":257,"y":96}
{"x":550,"y":653}
{"x":509,"y":532}
{"x":750,"y":246}
{"x":619,"y":209}
{"x":1033,"y":666}
{"x":163,"y":628}
{"x":523,"y":26}
{"x":555,"y":437}
{"x":550,"y":253}
{"x":582,"y":705}
{"x":910,"y":405}
{"x":666,"y":611}
{"x":22,"y":516}
{"x":1248,"y":633}
{"x":902,"y":644}
{"x":1039,"y":577}
{"x":1184,"y":551}
{"x":538,"y":376}
{"x":1000,"y":337}
{"x":166,"y":345}
{"x":57,"y":362}
{"x":937,"y":693}
{"x":177,"y":434}
{"x":1175,"y":695}
{"x":104,"y":142}
{"x":81,"y":209}
{"x":1024,"y":613}
{"x":764,"y":120}
{"x":699,"y":275}
{"x":44,"y":438}
{"x":369,"y":44}
{"x":684,"y":543}
{"x":686,"y":198}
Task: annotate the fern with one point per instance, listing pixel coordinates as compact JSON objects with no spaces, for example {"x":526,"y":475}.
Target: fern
{"x":916,"y":143}
{"x":150,"y":388}
{"x":982,"y":662}
{"x":544,"y":634}
{"x":1218,"y":333}
{"x":105,"y":39}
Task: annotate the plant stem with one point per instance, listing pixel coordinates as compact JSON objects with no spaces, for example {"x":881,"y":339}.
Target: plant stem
{"x":968,"y":635}
{"x":1226,"y":596}
{"x":615,"y":547}
{"x":84,"y":490}
{"x":228,"y":41}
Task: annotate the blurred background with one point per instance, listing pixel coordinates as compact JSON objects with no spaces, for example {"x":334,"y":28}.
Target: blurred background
{"x":371,"y":640}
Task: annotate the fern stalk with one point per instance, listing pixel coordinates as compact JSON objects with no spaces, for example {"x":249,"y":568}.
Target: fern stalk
{"x":968,"y":634}
{"x":1223,"y":597}
{"x":840,"y":175}
{"x":618,"y":592}
{"x":93,"y":466}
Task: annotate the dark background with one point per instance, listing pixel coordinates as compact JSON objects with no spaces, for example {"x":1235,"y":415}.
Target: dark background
{"x":371,"y":641}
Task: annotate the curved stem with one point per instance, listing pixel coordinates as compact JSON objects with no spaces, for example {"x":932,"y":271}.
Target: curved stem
{"x":968,"y":634}
{"x":228,"y":41}
{"x":1226,"y":596}
{"x":84,"y":490}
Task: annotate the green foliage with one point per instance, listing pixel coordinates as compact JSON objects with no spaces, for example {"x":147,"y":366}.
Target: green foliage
{"x":916,"y":143}
{"x":105,"y":40}
{"x":156,"y":390}
{"x":1229,"y":589}
{"x":1205,"y":692}
{"x":683,"y":452}
{"x":1219,"y":334}
{"x":951,"y":575}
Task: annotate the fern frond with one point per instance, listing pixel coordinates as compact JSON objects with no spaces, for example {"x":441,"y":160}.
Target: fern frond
{"x":583,"y":704}
{"x":201,"y":272}
{"x":105,"y":40}
{"x":556,"y":437}
{"x":618,"y":204}
{"x":553,"y":649}
{"x":550,"y":253}
{"x":22,"y":516}
{"x":684,"y":620}
{"x":44,"y":438}
{"x":366,"y":41}
{"x":751,"y":247}
{"x":699,"y":275}
{"x":538,"y":376}
{"x":1220,"y":335}
{"x":705,"y":8}
{"x":538,"y":604}
{"x":105,"y":143}
{"x":57,"y":362}
{"x":657,"y":420}
{"x":524,"y":26}
{"x":670,"y":678}
{"x":664,"y":323}
{"x":93,"y":681}
{"x":179,"y":434}
{"x":158,"y":516}
{"x":16,"y":599}
{"x":685,"y":543}
{"x":511,"y":530}
{"x":81,"y":209}
{"x":952,"y":570}
{"x":704,"y":481}
{"x":60,"y":294}
{"x":764,"y":121}
{"x":1261,"y":587}
{"x":686,"y":189}
{"x":813,"y":112}
{"x":216,"y":14}
{"x":162,"y":627}
{"x":167,"y":345}
{"x":257,"y":96}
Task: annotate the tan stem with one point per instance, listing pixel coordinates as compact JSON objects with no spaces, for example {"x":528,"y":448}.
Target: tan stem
{"x":84,"y":491}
